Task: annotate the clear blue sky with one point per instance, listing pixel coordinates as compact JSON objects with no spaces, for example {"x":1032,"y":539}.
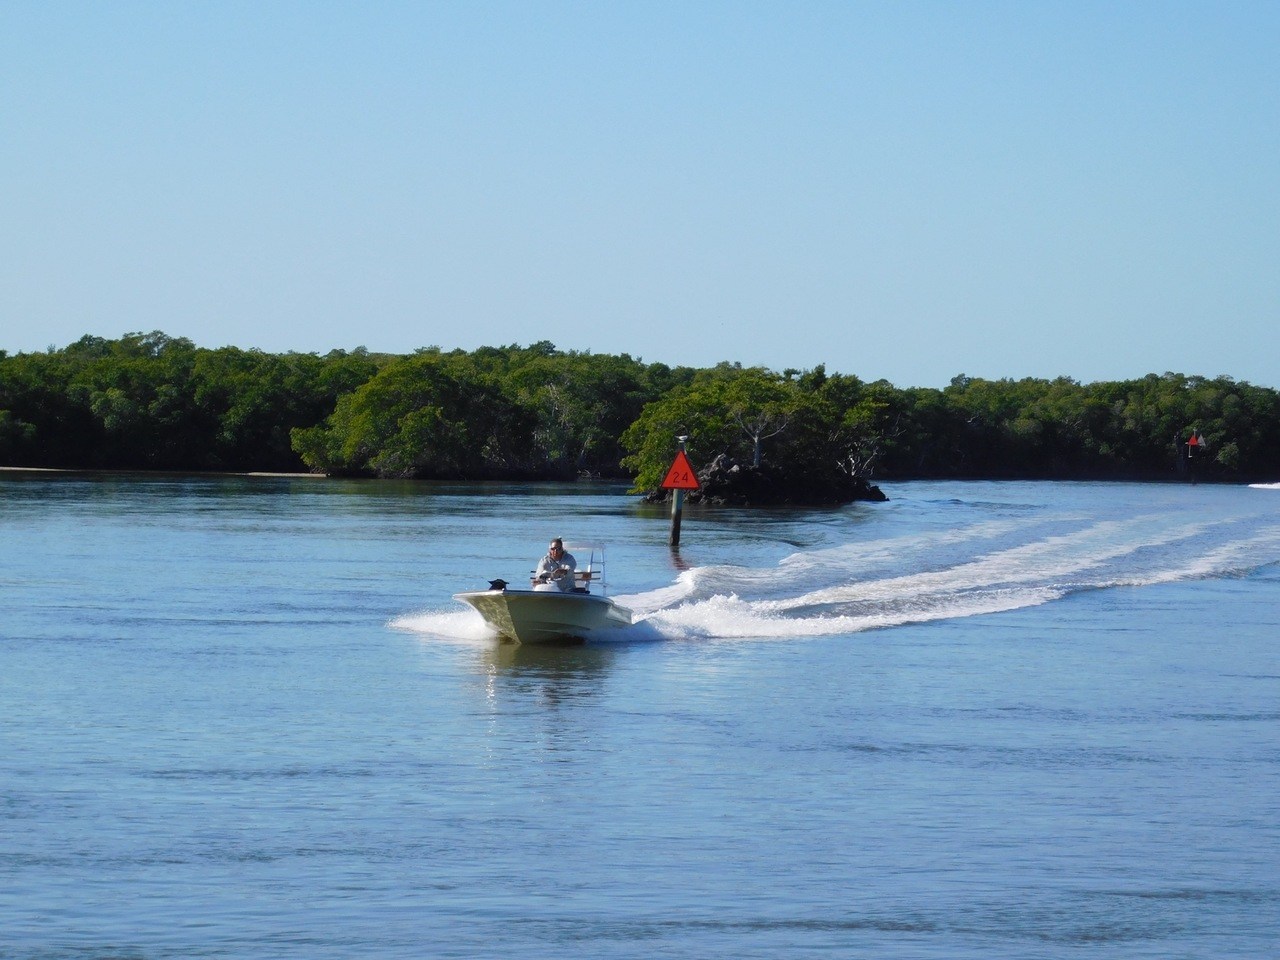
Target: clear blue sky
{"x":899,"y":190}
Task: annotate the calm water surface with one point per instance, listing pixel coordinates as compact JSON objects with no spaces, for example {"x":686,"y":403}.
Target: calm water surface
{"x":242,"y":718}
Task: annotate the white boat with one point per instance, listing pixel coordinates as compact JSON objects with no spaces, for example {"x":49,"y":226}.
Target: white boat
{"x":547,"y":612}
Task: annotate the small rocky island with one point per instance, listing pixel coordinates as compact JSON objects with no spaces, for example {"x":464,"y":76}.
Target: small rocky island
{"x":726,"y":482}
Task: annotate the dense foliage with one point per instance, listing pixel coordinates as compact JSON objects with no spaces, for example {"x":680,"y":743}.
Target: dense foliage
{"x":820,"y":426}
{"x":154,"y":402}
{"x":1131,"y":429}
{"x":149,"y":401}
{"x":1029,"y":428}
{"x":510,"y":412}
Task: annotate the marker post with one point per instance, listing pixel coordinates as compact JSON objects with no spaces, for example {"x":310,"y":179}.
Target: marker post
{"x":679,"y":478}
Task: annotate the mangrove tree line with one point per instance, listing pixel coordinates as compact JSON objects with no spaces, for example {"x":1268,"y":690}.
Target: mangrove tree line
{"x":149,"y":401}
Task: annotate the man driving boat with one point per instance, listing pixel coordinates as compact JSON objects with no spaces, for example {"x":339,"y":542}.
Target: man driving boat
{"x":557,"y":566}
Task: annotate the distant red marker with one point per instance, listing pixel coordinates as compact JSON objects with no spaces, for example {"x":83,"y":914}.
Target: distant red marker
{"x":681,"y":475}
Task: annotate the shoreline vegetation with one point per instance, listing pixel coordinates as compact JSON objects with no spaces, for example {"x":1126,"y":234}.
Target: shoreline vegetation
{"x":150,"y":402}
{"x":184,"y":473}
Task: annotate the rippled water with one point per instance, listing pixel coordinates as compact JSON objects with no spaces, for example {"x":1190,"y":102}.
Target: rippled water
{"x":241,"y":717}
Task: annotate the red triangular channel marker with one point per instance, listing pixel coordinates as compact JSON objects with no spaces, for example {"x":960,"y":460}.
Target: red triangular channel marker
{"x":681,"y":475}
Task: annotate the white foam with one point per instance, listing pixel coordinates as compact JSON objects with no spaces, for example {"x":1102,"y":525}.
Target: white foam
{"x":1234,"y":557}
{"x":971,"y":570}
{"x":642,"y":604}
{"x":734,"y":618}
{"x":874,"y":552}
{"x":1133,"y":551}
{"x":447,"y":624}
{"x":1050,"y":559}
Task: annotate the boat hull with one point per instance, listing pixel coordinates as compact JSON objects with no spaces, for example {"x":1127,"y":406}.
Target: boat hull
{"x":534,"y":616}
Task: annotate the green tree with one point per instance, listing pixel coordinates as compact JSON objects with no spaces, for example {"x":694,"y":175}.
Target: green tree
{"x":427,"y":416}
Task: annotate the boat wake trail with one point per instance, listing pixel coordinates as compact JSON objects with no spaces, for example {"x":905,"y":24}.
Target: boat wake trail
{"x":983,"y":567}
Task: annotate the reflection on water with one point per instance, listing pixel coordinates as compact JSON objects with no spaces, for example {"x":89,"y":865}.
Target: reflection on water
{"x":554,"y":673}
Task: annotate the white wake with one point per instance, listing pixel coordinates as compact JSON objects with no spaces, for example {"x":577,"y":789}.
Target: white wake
{"x":978,"y":568}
